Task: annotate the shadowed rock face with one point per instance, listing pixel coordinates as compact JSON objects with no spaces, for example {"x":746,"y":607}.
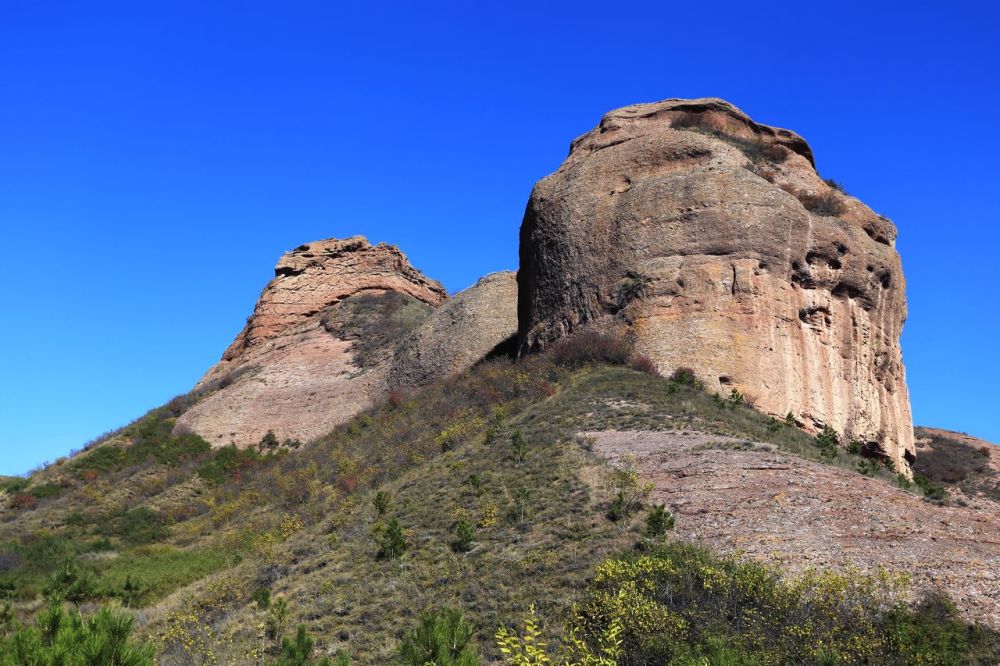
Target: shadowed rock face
{"x":712,"y":240}
{"x":341,"y":323}
{"x":460,"y":333}
{"x":289,"y":370}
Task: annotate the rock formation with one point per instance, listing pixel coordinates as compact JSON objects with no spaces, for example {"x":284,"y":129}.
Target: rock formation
{"x":289,"y":370}
{"x":341,"y":323}
{"x":713,"y":241}
{"x":460,"y":333}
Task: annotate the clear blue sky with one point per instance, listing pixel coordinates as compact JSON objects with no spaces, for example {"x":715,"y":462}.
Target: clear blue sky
{"x":157,"y":158}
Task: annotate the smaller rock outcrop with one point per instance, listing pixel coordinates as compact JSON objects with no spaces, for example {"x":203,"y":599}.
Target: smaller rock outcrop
{"x":294,"y":368}
{"x":473,"y":324}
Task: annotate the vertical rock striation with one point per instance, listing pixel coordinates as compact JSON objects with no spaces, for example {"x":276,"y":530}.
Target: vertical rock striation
{"x":714,"y":243}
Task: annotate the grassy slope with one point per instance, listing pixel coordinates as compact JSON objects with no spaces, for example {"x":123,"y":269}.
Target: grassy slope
{"x":301,"y":523}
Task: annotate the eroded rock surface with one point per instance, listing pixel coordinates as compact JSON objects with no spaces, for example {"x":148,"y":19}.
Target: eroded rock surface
{"x":460,"y":333}
{"x":713,"y":241}
{"x":290,"y":370}
{"x":733,"y":495}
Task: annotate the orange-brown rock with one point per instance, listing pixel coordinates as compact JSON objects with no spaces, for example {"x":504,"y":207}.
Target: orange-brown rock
{"x":291,"y":370}
{"x":714,"y":243}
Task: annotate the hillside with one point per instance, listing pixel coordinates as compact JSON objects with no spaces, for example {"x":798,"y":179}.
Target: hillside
{"x":679,"y":434}
{"x":199,"y":532}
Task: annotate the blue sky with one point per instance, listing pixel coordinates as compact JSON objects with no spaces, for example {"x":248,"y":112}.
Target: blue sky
{"x":157,"y":158}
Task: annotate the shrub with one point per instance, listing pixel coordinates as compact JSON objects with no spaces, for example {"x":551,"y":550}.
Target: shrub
{"x":262,"y":597}
{"x":381,"y":502}
{"x":391,"y":540}
{"x":440,"y":639}
{"x":298,"y":651}
{"x":25,"y":501}
{"x":643,"y":363}
{"x":67,"y":638}
{"x":71,"y":583}
{"x":588,"y":348}
{"x":658,"y":521}
{"x":277,"y":620}
{"x":227,"y":463}
{"x":518,"y":446}
{"x":529,"y":648}
{"x":633,"y":287}
{"x":931,"y":490}
{"x":681,"y":604}
{"x":45,"y":490}
{"x":15,"y":485}
{"x":465,"y":533}
{"x":828,"y":440}
{"x":629,"y":494}
{"x":835,"y":185}
{"x":828,"y":204}
{"x":268,"y":443}
{"x":684,"y":377}
{"x":736,"y":398}
{"x":519,"y":511}
{"x":136,"y":526}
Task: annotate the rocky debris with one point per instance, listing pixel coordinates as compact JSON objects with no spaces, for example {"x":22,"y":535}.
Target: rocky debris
{"x":750,"y":497}
{"x":289,"y":370}
{"x":713,"y":242}
{"x":473,"y":324}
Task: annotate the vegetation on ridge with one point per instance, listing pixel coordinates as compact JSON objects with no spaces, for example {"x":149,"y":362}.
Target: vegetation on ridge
{"x":474,"y":494}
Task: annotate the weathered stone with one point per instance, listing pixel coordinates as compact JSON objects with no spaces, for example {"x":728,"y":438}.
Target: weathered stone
{"x":287,"y":371}
{"x":460,"y":333}
{"x":712,"y":241}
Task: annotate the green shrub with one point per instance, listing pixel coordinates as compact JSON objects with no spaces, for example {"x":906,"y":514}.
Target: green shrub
{"x":465,"y":533}
{"x":262,"y":597}
{"x":268,"y":443}
{"x":71,"y":583}
{"x":381,"y":502}
{"x":136,"y":526}
{"x":68,"y":639}
{"x":658,"y":521}
{"x":298,"y":651}
{"x":45,"y":490}
{"x":828,"y":441}
{"x":14,"y":485}
{"x":519,"y":446}
{"x":228,"y":463}
{"x":390,"y":539}
{"x":441,"y":639}
{"x":680,"y":604}
{"x":931,"y":490}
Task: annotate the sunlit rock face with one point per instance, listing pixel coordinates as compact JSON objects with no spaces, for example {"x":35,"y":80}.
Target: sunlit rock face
{"x":291,"y":371}
{"x":713,"y":242}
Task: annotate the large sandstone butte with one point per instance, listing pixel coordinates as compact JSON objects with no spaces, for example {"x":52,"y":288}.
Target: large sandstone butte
{"x":714,"y":242}
{"x":342,"y":323}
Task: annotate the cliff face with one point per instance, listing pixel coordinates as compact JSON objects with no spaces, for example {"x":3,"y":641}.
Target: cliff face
{"x":712,"y":240}
{"x":341,"y":324}
{"x":293,"y":369}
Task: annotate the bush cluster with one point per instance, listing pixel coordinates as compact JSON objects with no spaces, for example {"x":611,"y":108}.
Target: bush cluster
{"x":679,"y":604}
{"x":589,"y":348}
